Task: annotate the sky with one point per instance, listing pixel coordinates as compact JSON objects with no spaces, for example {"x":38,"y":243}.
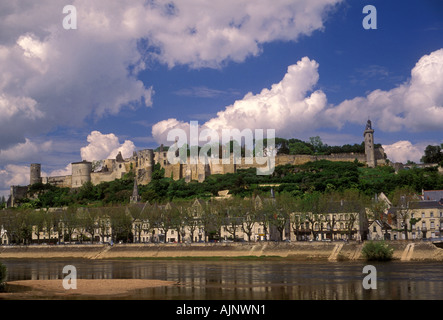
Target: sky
{"x":119,"y":75}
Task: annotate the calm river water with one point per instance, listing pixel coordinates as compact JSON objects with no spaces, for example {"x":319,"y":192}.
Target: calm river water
{"x":250,"y":280}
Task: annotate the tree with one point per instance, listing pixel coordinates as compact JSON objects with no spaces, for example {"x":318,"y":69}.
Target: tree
{"x":121,"y":224}
{"x":3,"y":273}
{"x":433,"y":154}
{"x":250,"y":217}
{"x":51,"y":224}
{"x":88,"y":221}
{"x":404,"y":199}
{"x":285,"y":205}
{"x":163,"y":220}
{"x":233,"y":211}
{"x":191,"y":219}
{"x":354,"y":204}
{"x":104,"y":226}
{"x":266,"y":211}
{"x":38,"y":223}
{"x":178,"y":220}
{"x":19,"y":225}
{"x":69,"y":222}
{"x":299,"y":147}
{"x":282,"y":146}
{"x":140,"y":220}
{"x":377,"y":209}
{"x":317,"y":144}
{"x":312,"y":207}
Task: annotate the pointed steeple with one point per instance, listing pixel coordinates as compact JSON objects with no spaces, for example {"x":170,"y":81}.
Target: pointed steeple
{"x":135,"y":198}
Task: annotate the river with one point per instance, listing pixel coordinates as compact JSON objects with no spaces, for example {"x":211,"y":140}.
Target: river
{"x":251,"y":280}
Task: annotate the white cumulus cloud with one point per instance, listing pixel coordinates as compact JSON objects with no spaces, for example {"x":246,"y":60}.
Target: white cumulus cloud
{"x":60,"y":77}
{"x":416,"y":105}
{"x":290,"y":106}
{"x":105,"y":146}
{"x":24,"y":151}
{"x":402,"y":151}
{"x":293,"y":105}
{"x":13,"y":175}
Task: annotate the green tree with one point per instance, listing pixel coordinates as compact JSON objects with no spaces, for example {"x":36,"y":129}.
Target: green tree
{"x":377,"y":211}
{"x":433,"y":154}
{"x":69,"y":222}
{"x":317,"y":144}
{"x":3,"y":274}
{"x":233,"y":213}
{"x":121,"y":224}
{"x":250,"y":218}
{"x":404,"y":200}
{"x":38,"y":222}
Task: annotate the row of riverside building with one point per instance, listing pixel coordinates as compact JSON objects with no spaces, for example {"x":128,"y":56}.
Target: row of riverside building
{"x":423,"y":219}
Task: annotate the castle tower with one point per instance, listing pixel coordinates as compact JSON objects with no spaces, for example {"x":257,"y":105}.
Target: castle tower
{"x":144,"y":166}
{"x":35,"y":174}
{"x":81,"y":173}
{"x":369,"y":145}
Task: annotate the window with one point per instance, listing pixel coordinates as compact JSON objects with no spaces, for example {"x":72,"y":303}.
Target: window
{"x":423,"y":225}
{"x":422,"y":214}
{"x":375,"y":229}
{"x":432,"y":214}
{"x":432,"y":224}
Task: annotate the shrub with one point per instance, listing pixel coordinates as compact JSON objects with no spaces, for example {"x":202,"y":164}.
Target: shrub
{"x":2,"y":274}
{"x":377,"y":251}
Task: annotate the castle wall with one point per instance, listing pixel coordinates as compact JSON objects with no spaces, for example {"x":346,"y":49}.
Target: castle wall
{"x":61,"y":181}
{"x":198,"y":172}
{"x":142,"y":163}
{"x":17,"y":193}
{"x":99,"y":177}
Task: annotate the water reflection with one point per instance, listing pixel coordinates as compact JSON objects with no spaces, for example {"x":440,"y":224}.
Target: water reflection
{"x":250,"y":280}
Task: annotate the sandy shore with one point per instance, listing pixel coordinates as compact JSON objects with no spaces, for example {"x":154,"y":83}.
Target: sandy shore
{"x":94,"y":288}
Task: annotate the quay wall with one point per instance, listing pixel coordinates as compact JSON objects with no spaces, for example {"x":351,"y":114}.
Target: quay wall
{"x":301,"y":251}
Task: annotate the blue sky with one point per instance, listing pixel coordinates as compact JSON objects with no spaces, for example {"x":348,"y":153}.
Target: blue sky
{"x":129,"y":68}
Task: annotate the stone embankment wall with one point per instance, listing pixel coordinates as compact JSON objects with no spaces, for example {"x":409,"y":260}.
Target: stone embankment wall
{"x":301,"y":251}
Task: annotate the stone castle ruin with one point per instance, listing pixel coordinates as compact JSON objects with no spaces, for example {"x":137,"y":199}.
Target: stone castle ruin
{"x":142,"y":162}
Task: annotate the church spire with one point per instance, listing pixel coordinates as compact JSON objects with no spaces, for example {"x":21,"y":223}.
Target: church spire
{"x":135,"y":198}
